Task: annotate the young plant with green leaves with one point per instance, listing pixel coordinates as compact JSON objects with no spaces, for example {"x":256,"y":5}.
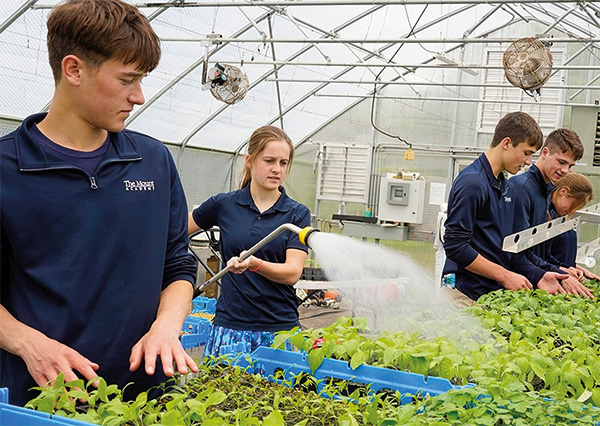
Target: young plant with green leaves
{"x":546,"y":343}
{"x":218,"y":395}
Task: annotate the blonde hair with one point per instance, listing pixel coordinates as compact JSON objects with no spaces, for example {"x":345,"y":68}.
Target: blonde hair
{"x":578,"y":187}
{"x":258,"y":141}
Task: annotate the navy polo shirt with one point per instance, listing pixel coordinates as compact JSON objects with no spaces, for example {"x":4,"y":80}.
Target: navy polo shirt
{"x":479,"y":217}
{"x":562,"y":249}
{"x":531,"y":203}
{"x":250,"y":301}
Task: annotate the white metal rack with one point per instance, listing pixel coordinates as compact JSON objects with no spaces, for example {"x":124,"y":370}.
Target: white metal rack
{"x":527,"y":238}
{"x":585,"y":253}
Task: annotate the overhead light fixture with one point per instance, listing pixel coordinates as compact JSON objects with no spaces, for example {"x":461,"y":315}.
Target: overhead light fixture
{"x":442,"y":57}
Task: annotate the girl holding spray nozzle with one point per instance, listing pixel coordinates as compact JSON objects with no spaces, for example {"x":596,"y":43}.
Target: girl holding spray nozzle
{"x":257,"y":297}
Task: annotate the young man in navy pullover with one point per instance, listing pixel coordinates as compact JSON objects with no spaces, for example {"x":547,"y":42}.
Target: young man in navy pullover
{"x":96,"y":278}
{"x":479,"y":217}
{"x":532,"y":191}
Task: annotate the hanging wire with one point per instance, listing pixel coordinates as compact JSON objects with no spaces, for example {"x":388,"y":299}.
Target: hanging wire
{"x":412,"y":30}
{"x":413,"y":27}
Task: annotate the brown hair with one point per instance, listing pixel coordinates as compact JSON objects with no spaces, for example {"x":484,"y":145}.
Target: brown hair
{"x":578,"y":187}
{"x":100,"y":30}
{"x":565,"y":141}
{"x":519,"y":127}
{"x":259,"y":139}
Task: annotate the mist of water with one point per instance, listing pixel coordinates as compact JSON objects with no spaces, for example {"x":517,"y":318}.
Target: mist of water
{"x":388,"y":288}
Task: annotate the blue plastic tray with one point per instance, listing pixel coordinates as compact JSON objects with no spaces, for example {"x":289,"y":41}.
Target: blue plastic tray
{"x":204,"y":304}
{"x":267,"y":361}
{"x":196,"y":325}
{"x":11,"y":415}
{"x":199,"y":329}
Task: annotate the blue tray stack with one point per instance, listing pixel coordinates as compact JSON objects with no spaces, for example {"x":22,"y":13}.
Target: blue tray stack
{"x":205,"y":304}
{"x":198,"y":329}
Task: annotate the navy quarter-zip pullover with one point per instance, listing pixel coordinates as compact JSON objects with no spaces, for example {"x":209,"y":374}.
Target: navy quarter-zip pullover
{"x":562,"y":249}
{"x":84,"y":257}
{"x":531,"y":203}
{"x":479,"y":217}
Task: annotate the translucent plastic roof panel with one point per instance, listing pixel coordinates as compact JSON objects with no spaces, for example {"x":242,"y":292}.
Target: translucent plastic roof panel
{"x":307,"y":61}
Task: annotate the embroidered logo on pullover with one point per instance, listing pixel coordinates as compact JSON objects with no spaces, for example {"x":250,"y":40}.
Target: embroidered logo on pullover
{"x":139,"y":185}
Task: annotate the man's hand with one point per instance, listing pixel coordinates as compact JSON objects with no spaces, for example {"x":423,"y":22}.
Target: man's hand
{"x":589,"y":275}
{"x":514,"y":281}
{"x":574,"y":272}
{"x":550,"y":282}
{"x":573,"y":286}
{"x":46,"y":358}
{"x":161,"y":341}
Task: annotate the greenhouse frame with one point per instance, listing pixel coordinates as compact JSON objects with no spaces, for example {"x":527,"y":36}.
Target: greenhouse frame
{"x":427,"y":73}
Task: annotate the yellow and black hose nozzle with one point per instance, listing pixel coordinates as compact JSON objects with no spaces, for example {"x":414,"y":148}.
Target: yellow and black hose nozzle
{"x":305,"y":233}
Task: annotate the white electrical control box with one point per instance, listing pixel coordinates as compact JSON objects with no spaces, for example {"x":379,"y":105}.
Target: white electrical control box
{"x":401,"y":200}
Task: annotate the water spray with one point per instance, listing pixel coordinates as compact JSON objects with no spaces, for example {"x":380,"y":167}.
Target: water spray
{"x":303,"y":234}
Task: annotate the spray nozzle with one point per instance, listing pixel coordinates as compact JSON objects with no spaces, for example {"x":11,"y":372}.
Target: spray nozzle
{"x":305,"y":233}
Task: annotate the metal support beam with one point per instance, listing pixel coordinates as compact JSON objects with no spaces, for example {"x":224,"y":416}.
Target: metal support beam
{"x":16,"y":14}
{"x":442,"y":99}
{"x":351,"y":47}
{"x":275,"y":72}
{"x":527,"y":238}
{"x":160,"y":11}
{"x":590,"y":214}
{"x":480,"y":21}
{"x":411,"y":40}
{"x":254,"y":24}
{"x":315,"y":45}
{"x":539,"y":11}
{"x":284,"y":12}
{"x":348,"y":69}
{"x":560,"y":19}
{"x":286,"y":3}
{"x":586,"y":253}
{"x":411,"y":67}
{"x":424,"y":83}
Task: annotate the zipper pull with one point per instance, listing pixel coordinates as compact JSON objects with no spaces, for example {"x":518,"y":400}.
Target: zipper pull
{"x":93,"y":184}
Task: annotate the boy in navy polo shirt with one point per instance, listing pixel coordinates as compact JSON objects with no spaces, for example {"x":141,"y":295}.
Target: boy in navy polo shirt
{"x":479,"y":217}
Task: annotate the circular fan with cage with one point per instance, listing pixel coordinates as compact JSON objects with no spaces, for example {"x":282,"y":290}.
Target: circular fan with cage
{"x":527,"y":64}
{"x":230,"y":85}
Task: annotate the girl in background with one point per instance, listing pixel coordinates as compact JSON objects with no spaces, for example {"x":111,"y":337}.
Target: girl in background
{"x":257,"y":296}
{"x":573,"y":191}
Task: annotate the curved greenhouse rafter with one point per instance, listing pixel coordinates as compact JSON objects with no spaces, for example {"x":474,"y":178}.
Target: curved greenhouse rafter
{"x":309,"y":61}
